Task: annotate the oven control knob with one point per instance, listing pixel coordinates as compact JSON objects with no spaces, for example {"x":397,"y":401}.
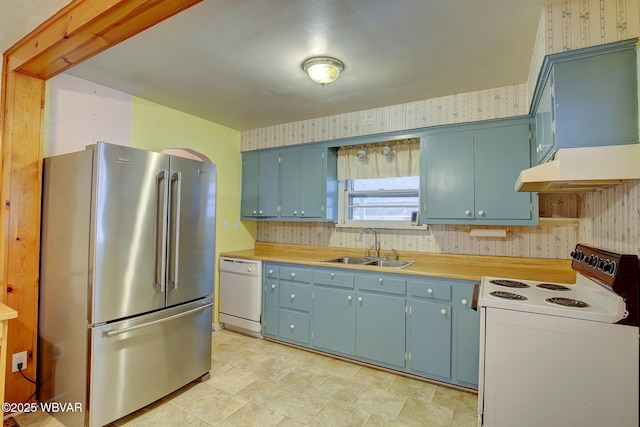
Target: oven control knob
{"x":577,"y":255}
{"x":594,"y":260}
{"x":609,"y":267}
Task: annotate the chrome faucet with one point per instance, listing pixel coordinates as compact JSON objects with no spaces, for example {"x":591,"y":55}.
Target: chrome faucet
{"x":376,"y":248}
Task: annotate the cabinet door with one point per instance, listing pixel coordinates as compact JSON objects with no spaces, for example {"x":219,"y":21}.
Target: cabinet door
{"x":545,"y":138}
{"x":260,"y":180}
{"x":312,"y":182}
{"x":380,"y":328}
{"x":500,"y":154}
{"x":430,"y":338}
{"x":269,"y":182}
{"x":302,"y":188}
{"x":290,"y":183}
{"x":466,"y":323}
{"x":448,"y":167}
{"x":270,"y":308}
{"x":250,"y":179}
{"x":333,"y":319}
{"x":596,"y":100}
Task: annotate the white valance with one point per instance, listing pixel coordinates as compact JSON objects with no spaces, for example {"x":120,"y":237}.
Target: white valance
{"x":380,"y":160}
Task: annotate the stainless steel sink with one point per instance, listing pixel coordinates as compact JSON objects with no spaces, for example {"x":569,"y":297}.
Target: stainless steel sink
{"x":391,"y":263}
{"x":349,"y":260}
{"x":371,"y":262}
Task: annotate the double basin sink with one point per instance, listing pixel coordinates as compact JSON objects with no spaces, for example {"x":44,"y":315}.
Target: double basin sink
{"x":375,"y":262}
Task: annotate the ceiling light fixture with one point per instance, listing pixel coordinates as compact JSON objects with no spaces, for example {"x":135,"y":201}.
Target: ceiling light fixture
{"x":322,"y":69}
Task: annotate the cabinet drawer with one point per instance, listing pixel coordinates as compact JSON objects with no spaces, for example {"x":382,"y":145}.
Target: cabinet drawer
{"x":271,"y":271}
{"x":294,"y":296}
{"x":430,"y":290}
{"x":294,"y":326}
{"x":382,"y":283}
{"x":333,"y":278}
{"x":295,"y":274}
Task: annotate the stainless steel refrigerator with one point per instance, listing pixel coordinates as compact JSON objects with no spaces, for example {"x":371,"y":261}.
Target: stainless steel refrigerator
{"x":126,"y":279}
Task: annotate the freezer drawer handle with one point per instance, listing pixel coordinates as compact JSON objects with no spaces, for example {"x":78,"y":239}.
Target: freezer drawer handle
{"x":113,"y":333}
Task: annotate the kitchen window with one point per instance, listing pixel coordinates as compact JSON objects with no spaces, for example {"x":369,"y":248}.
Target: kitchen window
{"x":379,"y":184}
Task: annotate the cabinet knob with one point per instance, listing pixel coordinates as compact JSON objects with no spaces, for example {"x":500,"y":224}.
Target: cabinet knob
{"x":302,"y":212}
{"x":273,"y":286}
{"x":332,"y":274}
{"x":295,"y":212}
{"x":260,"y":212}
{"x":254,"y":212}
{"x":467,"y":212}
{"x":293,"y":274}
{"x":380,"y":280}
{"x":349,"y":298}
{"x":292,"y":327}
{"x":464,"y":302}
{"x":481,"y":212}
{"x":429,"y":291}
{"x":443,"y":311}
{"x":359,"y":299}
{"x":270,"y":271}
{"x":293,"y":296}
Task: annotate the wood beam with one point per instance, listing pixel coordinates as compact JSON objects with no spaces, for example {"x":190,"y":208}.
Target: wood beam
{"x":77,"y":32}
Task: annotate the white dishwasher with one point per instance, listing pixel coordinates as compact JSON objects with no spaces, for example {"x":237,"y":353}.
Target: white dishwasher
{"x":241,"y":295}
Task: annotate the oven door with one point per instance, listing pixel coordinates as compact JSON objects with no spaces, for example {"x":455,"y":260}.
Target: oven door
{"x":541,"y":370}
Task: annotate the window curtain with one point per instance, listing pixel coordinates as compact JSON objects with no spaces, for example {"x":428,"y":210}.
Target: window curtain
{"x":403,"y":160}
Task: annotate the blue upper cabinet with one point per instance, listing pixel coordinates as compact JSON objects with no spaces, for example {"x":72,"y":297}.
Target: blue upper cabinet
{"x":290,"y":184}
{"x":260,"y":179}
{"x":587,"y":97}
{"x":468,"y":175}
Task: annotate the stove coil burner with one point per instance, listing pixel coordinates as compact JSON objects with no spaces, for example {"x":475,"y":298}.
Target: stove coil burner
{"x":567,"y":302}
{"x":510,"y":283}
{"x":508,"y":295}
{"x":553,"y":287}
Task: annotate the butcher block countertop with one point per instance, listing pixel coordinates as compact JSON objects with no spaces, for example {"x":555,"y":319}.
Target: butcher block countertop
{"x":466,"y":267}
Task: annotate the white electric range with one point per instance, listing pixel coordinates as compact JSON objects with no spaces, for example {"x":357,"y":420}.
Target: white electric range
{"x":561,"y":354}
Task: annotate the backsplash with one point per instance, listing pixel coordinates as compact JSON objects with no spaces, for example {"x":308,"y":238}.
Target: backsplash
{"x":609,"y":218}
{"x":554,"y":240}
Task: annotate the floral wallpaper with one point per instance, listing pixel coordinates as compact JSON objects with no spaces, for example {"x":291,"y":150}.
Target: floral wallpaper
{"x":609,"y":218}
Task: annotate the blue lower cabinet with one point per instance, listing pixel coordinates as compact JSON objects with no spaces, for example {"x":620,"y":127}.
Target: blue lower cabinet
{"x":380,"y":328}
{"x":270,"y":308}
{"x":333,"y":314}
{"x":293,"y":326}
{"x":416,"y":324}
{"x":429,"y":335}
{"x":466,"y":333}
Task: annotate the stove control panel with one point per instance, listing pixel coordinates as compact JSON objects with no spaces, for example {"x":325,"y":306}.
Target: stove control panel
{"x":604,"y":263}
{"x":617,"y":271}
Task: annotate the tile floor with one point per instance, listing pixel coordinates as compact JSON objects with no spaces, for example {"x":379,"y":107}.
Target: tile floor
{"x":256,"y":382}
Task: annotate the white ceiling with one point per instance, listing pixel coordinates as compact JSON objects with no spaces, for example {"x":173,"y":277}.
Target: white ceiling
{"x":237,"y":62}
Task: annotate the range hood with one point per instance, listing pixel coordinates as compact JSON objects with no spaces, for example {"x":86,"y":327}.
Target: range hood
{"x":576,"y":170}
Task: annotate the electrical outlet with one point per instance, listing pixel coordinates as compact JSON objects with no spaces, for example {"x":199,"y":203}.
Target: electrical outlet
{"x":18,"y":358}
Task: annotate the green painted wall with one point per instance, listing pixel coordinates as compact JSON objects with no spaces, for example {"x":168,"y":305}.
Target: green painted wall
{"x":155,"y":127}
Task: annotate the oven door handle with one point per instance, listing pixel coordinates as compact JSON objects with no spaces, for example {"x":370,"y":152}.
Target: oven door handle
{"x":474,"y":300}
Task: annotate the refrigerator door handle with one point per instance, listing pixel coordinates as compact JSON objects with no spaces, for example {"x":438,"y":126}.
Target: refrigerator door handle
{"x":177,"y":178}
{"x":160,"y":190}
{"x":116,"y":332}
